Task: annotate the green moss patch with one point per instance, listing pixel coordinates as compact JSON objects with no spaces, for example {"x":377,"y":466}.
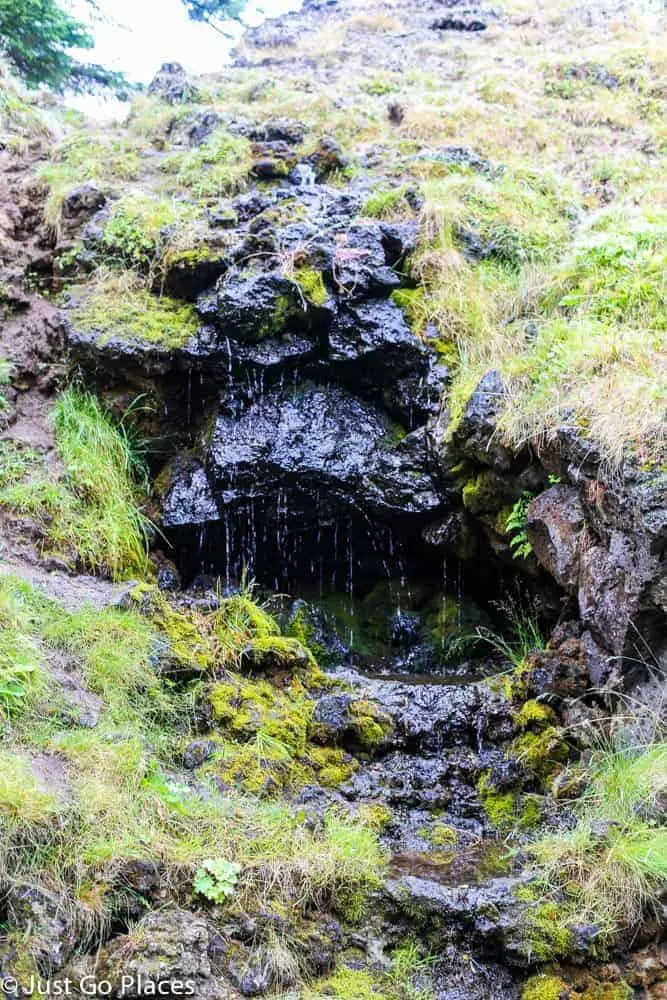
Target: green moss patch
{"x":312,"y":286}
{"x":122,"y":309}
{"x":265,"y":732}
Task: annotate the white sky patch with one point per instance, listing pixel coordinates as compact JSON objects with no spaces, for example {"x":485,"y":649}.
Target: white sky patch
{"x":137,"y":36}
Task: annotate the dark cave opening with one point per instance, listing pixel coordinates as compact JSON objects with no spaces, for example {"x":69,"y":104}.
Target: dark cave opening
{"x":389,"y":591}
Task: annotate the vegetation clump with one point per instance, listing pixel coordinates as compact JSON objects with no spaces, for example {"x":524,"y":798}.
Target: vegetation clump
{"x":120,"y":306}
{"x":136,"y":228}
{"x":92,"y":507}
{"x":116,"y":795}
{"x":599,"y":338}
{"x":611,"y":864}
{"x":20,"y":673}
{"x":389,"y":203}
{"x":105,"y":158}
{"x":219,"y":166}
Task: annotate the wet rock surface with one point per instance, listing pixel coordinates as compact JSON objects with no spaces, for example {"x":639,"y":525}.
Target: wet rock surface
{"x":321,"y":439}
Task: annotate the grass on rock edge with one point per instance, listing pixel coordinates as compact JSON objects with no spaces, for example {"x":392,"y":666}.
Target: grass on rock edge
{"x":88,"y":507}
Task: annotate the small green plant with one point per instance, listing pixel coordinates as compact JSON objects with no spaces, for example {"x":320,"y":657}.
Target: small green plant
{"x":5,"y":375}
{"x":216,"y":879}
{"x":523,"y":634}
{"x":15,"y":682}
{"x":19,"y":658}
{"x":516,"y":526}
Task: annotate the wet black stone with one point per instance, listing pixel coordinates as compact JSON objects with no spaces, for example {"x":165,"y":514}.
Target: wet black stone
{"x":315,"y":438}
{"x":458,"y":24}
{"x":372,"y":342}
{"x":405,"y":628}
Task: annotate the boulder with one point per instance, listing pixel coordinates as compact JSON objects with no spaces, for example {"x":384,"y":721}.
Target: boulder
{"x":317,"y":439}
{"x":80,"y":204}
{"x":555,"y":522}
{"x":474,"y":436}
{"x":371,"y":342}
{"x":429,"y":717}
{"x":44,"y":916}
{"x":287,"y":130}
{"x":327,"y":157}
{"x":611,"y":581}
{"x":252,"y":305}
{"x":500,"y":919}
{"x":571,"y":664}
{"x":360,"y":265}
{"x":166,"y":946}
{"x":188,"y":498}
{"x":170,"y":84}
{"x":198,"y":752}
{"x":194,"y":129}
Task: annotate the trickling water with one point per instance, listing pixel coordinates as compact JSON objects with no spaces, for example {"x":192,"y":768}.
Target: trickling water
{"x":228,"y":550}
{"x":304,"y":176}
{"x":459,"y":593}
{"x":230,"y":367}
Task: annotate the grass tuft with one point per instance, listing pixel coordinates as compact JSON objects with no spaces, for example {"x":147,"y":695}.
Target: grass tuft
{"x":90,"y":508}
{"x":612,"y":864}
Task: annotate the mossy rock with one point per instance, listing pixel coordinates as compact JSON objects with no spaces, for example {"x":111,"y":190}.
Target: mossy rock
{"x":376,"y":816}
{"x":111,"y":311}
{"x":187,"y":646}
{"x":534,"y":714}
{"x":349,"y":984}
{"x":485,"y":493}
{"x":546,"y":934}
{"x":268,"y":654}
{"x":549,"y":986}
{"x":371,"y":725}
{"x":509,"y":810}
{"x":312,"y":287}
{"x":545,"y":987}
{"x":442,"y":835}
{"x":245,"y":707}
{"x":414,"y":304}
{"x":542,"y":754}
{"x":265,"y":745}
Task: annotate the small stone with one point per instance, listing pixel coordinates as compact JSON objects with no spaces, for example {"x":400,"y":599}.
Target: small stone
{"x":197,"y":752}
